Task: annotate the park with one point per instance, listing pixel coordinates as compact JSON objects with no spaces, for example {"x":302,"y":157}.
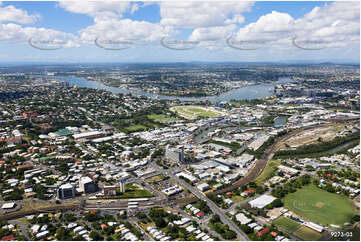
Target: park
{"x":320,"y":206}
{"x":193,"y":112}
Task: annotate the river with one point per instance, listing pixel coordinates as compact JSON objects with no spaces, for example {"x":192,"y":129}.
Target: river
{"x":248,"y":92}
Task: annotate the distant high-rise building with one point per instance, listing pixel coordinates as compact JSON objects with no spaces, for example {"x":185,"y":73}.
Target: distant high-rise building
{"x":87,"y":185}
{"x":122,"y":186}
{"x":65,"y":191}
{"x":174,"y":155}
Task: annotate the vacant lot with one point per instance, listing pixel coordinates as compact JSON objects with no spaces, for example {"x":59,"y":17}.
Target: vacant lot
{"x":312,"y":136}
{"x":157,"y":178}
{"x":268,"y":170}
{"x":237,"y":199}
{"x":307,"y":234}
{"x":192,"y":112}
{"x":320,"y":206}
{"x":286,"y":224}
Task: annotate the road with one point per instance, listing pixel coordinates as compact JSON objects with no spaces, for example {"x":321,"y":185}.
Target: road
{"x":215,"y":209}
{"x":23,"y":228}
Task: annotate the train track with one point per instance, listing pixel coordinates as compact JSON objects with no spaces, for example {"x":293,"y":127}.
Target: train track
{"x":261,"y":163}
{"x":20,"y":214}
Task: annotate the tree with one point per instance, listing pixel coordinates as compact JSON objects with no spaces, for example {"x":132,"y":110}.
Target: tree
{"x":277,"y":203}
{"x":141,"y":216}
{"x":69,"y":217}
{"x":96,"y":225}
{"x":229,"y":235}
{"x":90,"y":217}
{"x":252,"y":184}
{"x":215,"y":218}
{"x":95,"y":235}
{"x":63,"y":234}
{"x":160,"y":222}
{"x":355,"y":218}
{"x":157,"y":213}
{"x":172,"y":217}
{"x":246,"y":229}
{"x":174,"y":229}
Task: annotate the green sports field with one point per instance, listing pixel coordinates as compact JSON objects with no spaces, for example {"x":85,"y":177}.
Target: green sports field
{"x":320,"y":206}
{"x":286,"y":224}
{"x":191,"y":112}
{"x":307,"y":234}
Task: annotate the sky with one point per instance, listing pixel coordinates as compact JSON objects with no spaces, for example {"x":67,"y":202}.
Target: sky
{"x":179,"y":31}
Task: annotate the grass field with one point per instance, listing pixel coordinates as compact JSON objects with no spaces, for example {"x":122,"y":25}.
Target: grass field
{"x":162,"y":118}
{"x":286,"y":224}
{"x":136,"y":194}
{"x":307,"y":234}
{"x":132,"y":191}
{"x":320,"y":206}
{"x":145,"y":226}
{"x":237,"y":199}
{"x":27,"y":206}
{"x":137,"y":127}
{"x":267,"y":171}
{"x":191,"y":112}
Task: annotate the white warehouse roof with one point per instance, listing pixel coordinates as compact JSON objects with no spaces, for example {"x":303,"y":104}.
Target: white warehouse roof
{"x":262,"y":201}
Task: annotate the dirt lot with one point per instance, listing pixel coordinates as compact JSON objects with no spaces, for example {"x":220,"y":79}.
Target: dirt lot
{"x":311,"y":136}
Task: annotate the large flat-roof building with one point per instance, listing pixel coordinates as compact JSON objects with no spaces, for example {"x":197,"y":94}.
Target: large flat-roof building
{"x":65,"y":191}
{"x":8,"y":205}
{"x":174,"y":155}
{"x":314,"y":226}
{"x":87,"y":185}
{"x":89,"y":135}
{"x":262,"y":201}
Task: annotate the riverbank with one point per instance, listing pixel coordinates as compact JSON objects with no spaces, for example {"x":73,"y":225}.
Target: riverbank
{"x":249,"y":92}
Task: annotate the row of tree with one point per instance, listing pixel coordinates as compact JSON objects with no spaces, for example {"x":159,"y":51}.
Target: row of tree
{"x":291,"y":186}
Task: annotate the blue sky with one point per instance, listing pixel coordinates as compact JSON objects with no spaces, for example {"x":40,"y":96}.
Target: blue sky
{"x":275,"y":23}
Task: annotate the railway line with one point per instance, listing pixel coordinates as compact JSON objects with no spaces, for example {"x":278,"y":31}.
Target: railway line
{"x":261,"y":163}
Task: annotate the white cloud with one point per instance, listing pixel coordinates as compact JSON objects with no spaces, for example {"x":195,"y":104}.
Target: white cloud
{"x":212,"y":33}
{"x":12,"y":14}
{"x":14,"y":33}
{"x":124,"y":29}
{"x":109,"y":23}
{"x":336,"y":25}
{"x":196,"y":14}
{"x":96,"y":8}
{"x":237,"y":18}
